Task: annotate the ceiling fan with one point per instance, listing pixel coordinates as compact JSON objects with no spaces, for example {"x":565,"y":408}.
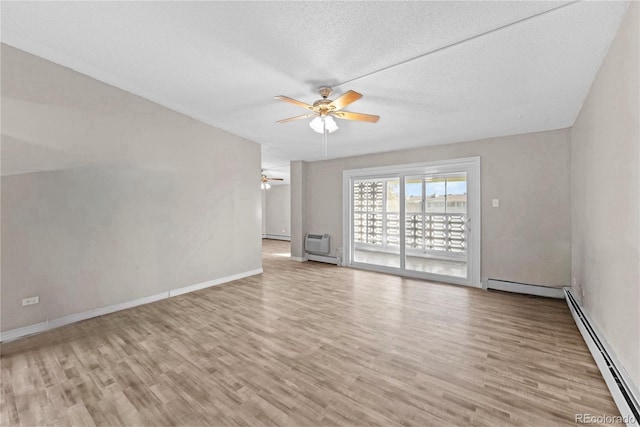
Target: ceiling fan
{"x":264,"y":181}
{"x":323,"y":109}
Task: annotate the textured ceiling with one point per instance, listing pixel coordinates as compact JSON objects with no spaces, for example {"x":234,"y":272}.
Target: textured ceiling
{"x":222,"y":62}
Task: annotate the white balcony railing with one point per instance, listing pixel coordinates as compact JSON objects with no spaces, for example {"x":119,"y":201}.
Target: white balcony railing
{"x":425,"y":233}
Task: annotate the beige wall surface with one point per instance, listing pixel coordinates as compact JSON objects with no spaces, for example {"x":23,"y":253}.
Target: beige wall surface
{"x":264,"y":210}
{"x":298,"y":208}
{"x":526,"y":239}
{"x":278,"y":210}
{"x":107,"y":197}
{"x":605,"y":187}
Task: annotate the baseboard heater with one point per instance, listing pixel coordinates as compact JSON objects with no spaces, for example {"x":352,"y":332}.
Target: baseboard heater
{"x":524,"y":288}
{"x":624,"y":395}
{"x":276,"y":237}
{"x":322,"y":258}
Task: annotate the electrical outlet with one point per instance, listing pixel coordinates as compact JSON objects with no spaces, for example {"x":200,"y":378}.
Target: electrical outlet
{"x":496,"y":203}
{"x":30,"y":301}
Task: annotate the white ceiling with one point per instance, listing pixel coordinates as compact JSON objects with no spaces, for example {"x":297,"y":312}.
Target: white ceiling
{"x":222,"y":62}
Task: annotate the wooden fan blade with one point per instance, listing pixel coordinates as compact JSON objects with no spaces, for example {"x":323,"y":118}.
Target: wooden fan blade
{"x":344,"y":100}
{"x":304,"y":116}
{"x":346,"y":115}
{"x":294,"y":102}
{"x":275,"y":179}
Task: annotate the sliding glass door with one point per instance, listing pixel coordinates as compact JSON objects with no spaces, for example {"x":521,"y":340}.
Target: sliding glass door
{"x":435,"y":224}
{"x":376,"y":221}
{"x":415,"y":220}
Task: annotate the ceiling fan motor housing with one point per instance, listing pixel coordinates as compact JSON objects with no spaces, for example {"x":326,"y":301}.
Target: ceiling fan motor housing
{"x":325,"y":91}
{"x":323,"y":106}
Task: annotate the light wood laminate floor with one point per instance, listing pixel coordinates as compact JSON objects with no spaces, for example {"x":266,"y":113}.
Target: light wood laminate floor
{"x":310,"y":344}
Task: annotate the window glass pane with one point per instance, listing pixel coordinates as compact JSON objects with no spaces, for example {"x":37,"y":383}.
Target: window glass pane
{"x":368,"y":204}
{"x":393,"y":196}
{"x":368,"y":196}
{"x":457,"y":194}
{"x":435,"y":191}
{"x":413,"y":194}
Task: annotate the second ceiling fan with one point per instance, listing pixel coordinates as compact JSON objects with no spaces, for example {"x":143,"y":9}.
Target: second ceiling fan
{"x":323,"y":109}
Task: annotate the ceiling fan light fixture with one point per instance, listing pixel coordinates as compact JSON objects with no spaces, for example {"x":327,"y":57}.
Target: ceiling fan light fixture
{"x":265,"y":185}
{"x":318,"y":124}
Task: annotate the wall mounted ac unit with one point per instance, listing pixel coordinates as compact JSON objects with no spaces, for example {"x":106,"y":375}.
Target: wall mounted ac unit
{"x":317,"y":244}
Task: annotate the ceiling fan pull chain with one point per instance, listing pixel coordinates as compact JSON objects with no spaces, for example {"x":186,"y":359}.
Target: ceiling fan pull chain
{"x":325,"y":149}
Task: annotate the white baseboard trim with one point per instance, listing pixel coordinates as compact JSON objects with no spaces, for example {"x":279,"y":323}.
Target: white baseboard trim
{"x":276,"y":237}
{"x":298,"y":259}
{"x":72,"y":318}
{"x":523,"y":288}
{"x":624,"y":392}
{"x":13,"y":334}
{"x":214,"y":282}
{"x":323,"y":258}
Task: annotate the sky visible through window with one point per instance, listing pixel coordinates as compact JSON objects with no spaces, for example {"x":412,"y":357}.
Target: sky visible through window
{"x":437,"y":188}
{"x":453,"y":187}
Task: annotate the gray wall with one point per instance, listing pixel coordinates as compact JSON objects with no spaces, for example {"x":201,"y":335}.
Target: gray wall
{"x":605,"y":191}
{"x":264,"y":210}
{"x":298,"y":208}
{"x":278,"y":210}
{"x":108,"y":197}
{"x":526,"y":239}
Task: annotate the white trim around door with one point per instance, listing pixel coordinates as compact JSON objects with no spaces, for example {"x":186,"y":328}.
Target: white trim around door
{"x":470,"y":165}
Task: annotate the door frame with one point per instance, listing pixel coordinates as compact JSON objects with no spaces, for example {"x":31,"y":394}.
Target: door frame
{"x":470,"y":165}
